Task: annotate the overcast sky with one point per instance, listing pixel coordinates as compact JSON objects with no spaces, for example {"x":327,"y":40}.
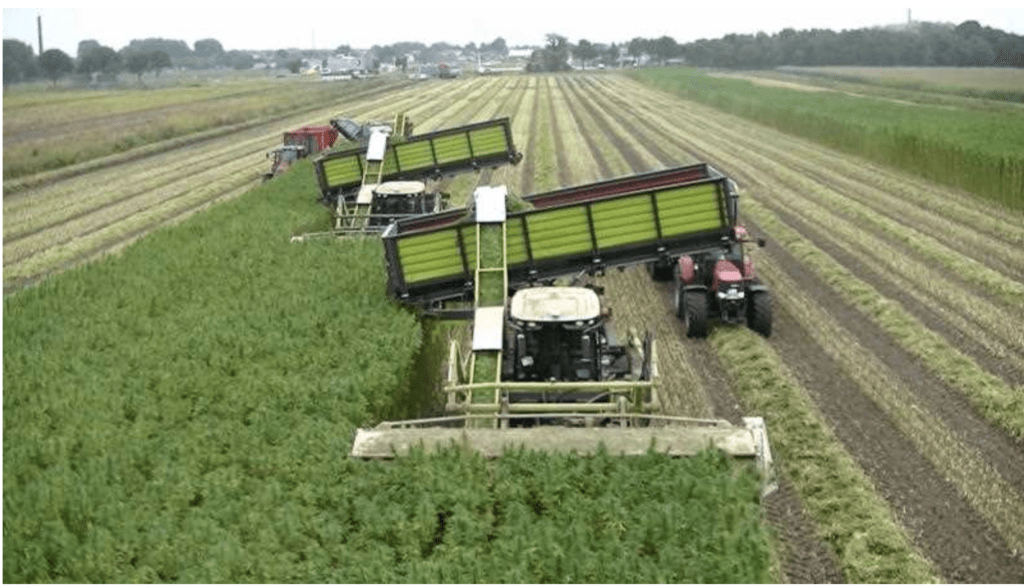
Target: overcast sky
{"x":364,"y":23}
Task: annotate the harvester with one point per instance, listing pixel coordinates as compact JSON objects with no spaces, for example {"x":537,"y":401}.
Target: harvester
{"x":545,"y":369}
{"x":358,"y":184}
{"x":298,"y":144}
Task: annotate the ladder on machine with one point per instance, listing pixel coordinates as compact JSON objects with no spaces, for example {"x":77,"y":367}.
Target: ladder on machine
{"x":489,"y":297}
{"x":358,"y":215}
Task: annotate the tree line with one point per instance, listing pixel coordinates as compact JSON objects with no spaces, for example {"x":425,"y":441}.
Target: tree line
{"x":139,"y":57}
{"x":968,"y":44}
{"x":917,"y":44}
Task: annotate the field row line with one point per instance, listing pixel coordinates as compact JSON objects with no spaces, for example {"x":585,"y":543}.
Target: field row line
{"x":52,"y":249}
{"x":77,"y":246}
{"x":124,"y":182}
{"x":1000,"y":403}
{"x":997,"y":501}
{"x":988,"y":315}
{"x":850,"y":513}
{"x":14,"y":187}
{"x":997,"y":401}
{"x":768,"y":164}
{"x":871,"y":545}
{"x":984,"y":323}
{"x":1006,"y":289}
{"x":888,"y":192}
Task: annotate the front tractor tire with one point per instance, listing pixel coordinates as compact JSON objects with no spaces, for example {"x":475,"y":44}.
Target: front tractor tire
{"x":759,"y":312}
{"x":692,"y":308}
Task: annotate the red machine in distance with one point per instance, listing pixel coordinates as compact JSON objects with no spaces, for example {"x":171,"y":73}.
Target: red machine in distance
{"x":298,"y":144}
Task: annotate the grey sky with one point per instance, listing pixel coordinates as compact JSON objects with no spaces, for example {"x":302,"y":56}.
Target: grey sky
{"x":276,"y":25}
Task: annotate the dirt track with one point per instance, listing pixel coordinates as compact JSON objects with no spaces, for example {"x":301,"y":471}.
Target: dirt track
{"x":952,"y":478}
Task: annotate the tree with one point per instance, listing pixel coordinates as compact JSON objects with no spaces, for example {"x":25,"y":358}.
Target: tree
{"x":555,"y":56}
{"x":159,"y":60}
{"x":611,"y":56}
{"x":137,"y":62}
{"x":239,"y":60}
{"x":208,"y":48}
{"x":19,"y":62}
{"x":664,"y":48}
{"x":584,"y":51}
{"x":56,"y":64}
{"x":497,"y":46}
{"x":98,"y":59}
{"x":86,"y":47}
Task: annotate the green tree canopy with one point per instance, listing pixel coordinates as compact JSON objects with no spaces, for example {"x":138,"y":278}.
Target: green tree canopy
{"x":84,"y":47}
{"x":98,"y":59}
{"x":56,"y":64}
{"x":584,"y":51}
{"x":159,"y":60}
{"x":553,"y":57}
{"x":239,"y":60}
{"x":19,"y":62}
{"x":137,"y":62}
{"x":208,"y":48}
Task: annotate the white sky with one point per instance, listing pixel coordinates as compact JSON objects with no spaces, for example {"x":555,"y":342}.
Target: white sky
{"x":363,"y":23}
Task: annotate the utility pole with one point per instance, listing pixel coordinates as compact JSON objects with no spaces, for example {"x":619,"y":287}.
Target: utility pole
{"x":39,"y":25}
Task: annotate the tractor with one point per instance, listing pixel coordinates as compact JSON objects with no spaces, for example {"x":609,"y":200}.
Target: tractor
{"x":298,"y":144}
{"x":722,"y":283}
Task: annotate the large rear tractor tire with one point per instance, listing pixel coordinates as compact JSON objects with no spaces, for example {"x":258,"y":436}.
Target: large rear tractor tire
{"x":759,"y":312}
{"x":694,"y":308}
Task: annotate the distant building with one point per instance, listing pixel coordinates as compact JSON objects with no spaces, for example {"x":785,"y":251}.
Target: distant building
{"x":340,"y":64}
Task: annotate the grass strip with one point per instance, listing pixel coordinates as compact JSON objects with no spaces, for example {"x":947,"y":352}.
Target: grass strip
{"x":998,"y":402}
{"x":871,"y":545}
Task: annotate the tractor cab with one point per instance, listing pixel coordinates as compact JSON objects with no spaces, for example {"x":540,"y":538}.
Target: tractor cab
{"x":560,"y":334}
{"x":397,"y":199}
{"x":283,"y":158}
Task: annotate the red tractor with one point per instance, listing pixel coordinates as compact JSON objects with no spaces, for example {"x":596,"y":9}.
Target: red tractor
{"x":722,"y":283}
{"x":298,"y":144}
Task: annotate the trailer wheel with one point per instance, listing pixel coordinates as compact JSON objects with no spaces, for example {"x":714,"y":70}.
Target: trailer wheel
{"x":695,"y":310}
{"x":759,"y":312}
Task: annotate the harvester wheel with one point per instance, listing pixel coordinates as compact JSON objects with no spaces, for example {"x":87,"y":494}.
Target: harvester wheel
{"x":759,"y":312}
{"x":695,"y":313}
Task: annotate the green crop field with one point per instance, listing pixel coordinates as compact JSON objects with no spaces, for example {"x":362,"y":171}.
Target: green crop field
{"x":1003,"y":83}
{"x":181,"y":383}
{"x":976,"y":150}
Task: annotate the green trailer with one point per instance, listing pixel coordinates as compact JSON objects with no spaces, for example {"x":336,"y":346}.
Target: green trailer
{"x":420,"y":157}
{"x":650,"y":218}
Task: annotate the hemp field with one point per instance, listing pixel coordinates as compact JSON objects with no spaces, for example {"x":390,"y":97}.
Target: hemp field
{"x":892,"y":385}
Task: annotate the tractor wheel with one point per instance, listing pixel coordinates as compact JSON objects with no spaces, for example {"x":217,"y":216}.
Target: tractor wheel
{"x":695,"y":310}
{"x":680,"y":304}
{"x":759,"y":312}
